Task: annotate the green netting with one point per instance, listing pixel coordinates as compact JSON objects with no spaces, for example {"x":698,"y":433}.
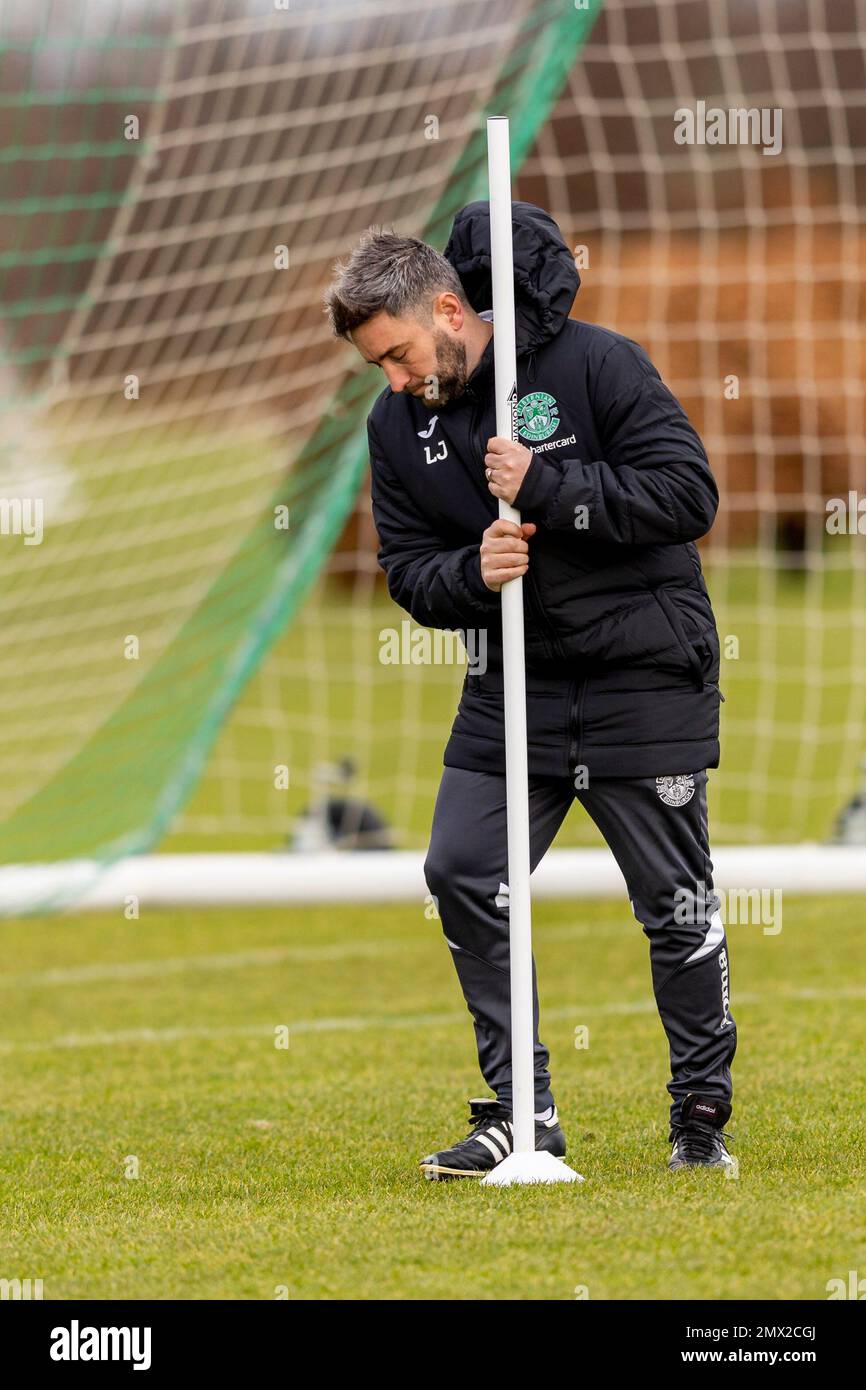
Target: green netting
{"x":160,"y":510}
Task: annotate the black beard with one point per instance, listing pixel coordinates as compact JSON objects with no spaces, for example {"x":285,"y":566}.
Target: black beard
{"x":450,"y":371}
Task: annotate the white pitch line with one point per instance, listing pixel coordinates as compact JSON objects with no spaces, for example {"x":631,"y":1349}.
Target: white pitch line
{"x":178,"y":965}
{"x":369,"y":1022}
{"x":240,"y":960}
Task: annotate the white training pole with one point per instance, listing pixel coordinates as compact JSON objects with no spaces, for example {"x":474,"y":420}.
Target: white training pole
{"x":517,"y":772}
{"x":524,"y":1165}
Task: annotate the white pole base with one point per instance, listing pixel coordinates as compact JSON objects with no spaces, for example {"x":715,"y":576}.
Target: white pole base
{"x":529,"y":1168}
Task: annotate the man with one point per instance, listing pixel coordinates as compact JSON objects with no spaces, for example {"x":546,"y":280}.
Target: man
{"x":614,"y":487}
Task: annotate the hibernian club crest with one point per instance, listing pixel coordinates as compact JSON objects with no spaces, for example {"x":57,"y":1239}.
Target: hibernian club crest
{"x":676,"y":791}
{"x":538,"y":414}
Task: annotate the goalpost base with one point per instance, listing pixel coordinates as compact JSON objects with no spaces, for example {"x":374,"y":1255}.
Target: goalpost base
{"x":380,"y":876}
{"x":523,"y":1169}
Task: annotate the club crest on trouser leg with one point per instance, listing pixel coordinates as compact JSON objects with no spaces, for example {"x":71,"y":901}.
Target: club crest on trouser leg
{"x":676,"y":791}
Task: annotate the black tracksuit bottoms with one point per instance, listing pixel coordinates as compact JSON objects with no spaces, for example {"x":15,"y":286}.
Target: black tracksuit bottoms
{"x":657,"y":831}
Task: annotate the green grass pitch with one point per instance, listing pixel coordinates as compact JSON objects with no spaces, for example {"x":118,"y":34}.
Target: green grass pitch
{"x":148,"y":1047}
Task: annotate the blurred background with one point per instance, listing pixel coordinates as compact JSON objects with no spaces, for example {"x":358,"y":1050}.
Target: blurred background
{"x":189,"y":656}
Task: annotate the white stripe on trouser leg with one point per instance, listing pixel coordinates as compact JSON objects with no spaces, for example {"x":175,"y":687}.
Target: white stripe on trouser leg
{"x":713,"y":939}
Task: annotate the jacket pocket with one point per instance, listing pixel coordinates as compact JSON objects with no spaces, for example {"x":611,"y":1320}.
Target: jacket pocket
{"x":709,"y":651}
{"x":697,"y":666}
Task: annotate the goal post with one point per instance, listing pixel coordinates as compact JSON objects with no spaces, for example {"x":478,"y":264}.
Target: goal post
{"x":202,"y":628}
{"x":173,"y":405}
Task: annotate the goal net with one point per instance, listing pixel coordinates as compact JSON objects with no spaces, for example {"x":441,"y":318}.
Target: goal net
{"x":193,"y":621}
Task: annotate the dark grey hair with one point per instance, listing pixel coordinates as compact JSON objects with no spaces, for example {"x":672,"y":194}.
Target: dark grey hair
{"x":390,"y":274}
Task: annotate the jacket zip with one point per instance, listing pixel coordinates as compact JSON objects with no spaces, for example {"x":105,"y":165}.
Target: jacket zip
{"x":542,"y":625}
{"x":548,"y":637}
{"x":475,"y":442}
{"x":578,"y":691}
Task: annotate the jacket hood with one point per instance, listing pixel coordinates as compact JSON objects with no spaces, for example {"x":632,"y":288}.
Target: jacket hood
{"x":545,"y":276}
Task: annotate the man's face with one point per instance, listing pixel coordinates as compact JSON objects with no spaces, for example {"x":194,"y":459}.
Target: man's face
{"x":427,"y":361}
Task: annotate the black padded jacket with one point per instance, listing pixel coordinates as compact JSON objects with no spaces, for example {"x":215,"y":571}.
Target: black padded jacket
{"x":621,"y":644}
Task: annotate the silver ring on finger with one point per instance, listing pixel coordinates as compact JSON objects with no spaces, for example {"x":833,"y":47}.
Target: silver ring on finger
{"x":489,"y":472}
